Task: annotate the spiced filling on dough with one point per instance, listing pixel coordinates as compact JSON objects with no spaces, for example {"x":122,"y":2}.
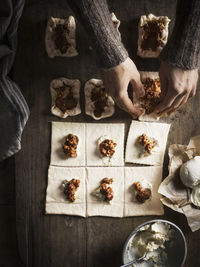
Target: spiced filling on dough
{"x":65,"y":100}
{"x":152,"y":94}
{"x":107,"y":148}
{"x":100,"y":98}
{"x":142,"y":194}
{"x":70,"y":189}
{"x":106,"y":190}
{"x":70,"y":145}
{"x":147,"y":143}
{"x":152,"y":38}
{"x":60,"y":39}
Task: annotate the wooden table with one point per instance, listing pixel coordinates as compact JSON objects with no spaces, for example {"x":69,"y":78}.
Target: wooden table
{"x":58,"y":241}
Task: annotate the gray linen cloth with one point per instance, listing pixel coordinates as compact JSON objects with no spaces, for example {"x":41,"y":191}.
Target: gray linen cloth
{"x":14,"y":111}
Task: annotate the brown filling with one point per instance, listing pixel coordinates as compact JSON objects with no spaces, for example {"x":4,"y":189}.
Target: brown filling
{"x":65,"y":102}
{"x":147,"y":143}
{"x":142,"y":194}
{"x":70,"y":145}
{"x":70,"y":189}
{"x":106,"y":190}
{"x":107,"y":148}
{"x":152,"y":94}
{"x":152,"y":34}
{"x":59,"y":38}
{"x":99,"y":97}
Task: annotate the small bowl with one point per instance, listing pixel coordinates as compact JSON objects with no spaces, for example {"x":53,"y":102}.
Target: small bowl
{"x":176,"y":254}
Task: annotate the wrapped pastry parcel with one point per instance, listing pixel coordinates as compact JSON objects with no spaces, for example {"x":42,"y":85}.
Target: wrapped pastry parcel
{"x":60,"y":37}
{"x":175,"y":194}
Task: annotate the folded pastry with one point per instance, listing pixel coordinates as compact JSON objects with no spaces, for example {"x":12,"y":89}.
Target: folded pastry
{"x":65,"y":95}
{"x":98,"y":103}
{"x":151,"y":83}
{"x":153,"y":34}
{"x":60,"y":37}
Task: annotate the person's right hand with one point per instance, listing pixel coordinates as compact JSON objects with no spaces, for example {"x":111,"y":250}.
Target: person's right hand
{"x":116,"y":81}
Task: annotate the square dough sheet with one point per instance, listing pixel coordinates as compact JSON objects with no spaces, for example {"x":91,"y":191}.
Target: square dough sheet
{"x":151,"y":175}
{"x":159,"y":131}
{"x":94,"y":132}
{"x":59,"y":131}
{"x":96,"y":207}
{"x":56,"y":202}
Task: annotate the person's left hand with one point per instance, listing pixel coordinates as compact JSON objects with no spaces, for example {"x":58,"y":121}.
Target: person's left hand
{"x":177,"y":85}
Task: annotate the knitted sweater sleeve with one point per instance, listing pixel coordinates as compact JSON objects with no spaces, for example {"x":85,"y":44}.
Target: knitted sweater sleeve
{"x":183,"y":48}
{"x":96,"y":19}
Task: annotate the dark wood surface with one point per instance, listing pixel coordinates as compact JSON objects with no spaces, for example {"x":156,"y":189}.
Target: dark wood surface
{"x":58,"y":241}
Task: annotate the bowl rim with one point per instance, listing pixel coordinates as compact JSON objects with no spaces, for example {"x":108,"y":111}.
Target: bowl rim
{"x":150,"y":222}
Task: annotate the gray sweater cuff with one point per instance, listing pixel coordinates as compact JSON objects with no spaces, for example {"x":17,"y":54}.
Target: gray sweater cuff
{"x":183,"y":48}
{"x":96,"y":19}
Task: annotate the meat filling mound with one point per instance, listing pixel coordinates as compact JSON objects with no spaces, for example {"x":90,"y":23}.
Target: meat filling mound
{"x":60,"y":39}
{"x":147,"y":143}
{"x":107,"y":148}
{"x":70,"y":189}
{"x":106,"y":190}
{"x":65,"y":101}
{"x":70,"y":145}
{"x":152,"y":34}
{"x":141,"y":194}
{"x":100,"y":98}
{"x":152,"y":94}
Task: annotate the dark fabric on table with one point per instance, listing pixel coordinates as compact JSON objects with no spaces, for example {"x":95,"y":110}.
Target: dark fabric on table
{"x":14,"y":111}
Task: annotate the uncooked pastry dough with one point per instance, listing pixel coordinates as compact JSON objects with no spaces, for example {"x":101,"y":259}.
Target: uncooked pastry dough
{"x":50,"y":46}
{"x":159,"y":131}
{"x":151,"y":175}
{"x":151,"y":53}
{"x":56,"y":202}
{"x":94,"y":132}
{"x":116,"y":22}
{"x":89,"y":104}
{"x":152,"y":116}
{"x":59,"y":131}
{"x":75,"y":85}
{"x":95,"y":207}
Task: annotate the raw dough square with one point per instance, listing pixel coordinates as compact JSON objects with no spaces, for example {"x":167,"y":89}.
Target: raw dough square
{"x":59,"y":131}
{"x":56,"y":202}
{"x":153,"y":176}
{"x":97,"y":207}
{"x":114,"y":131}
{"x":159,"y":131}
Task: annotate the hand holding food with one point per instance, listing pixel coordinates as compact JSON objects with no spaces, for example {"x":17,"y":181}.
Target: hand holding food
{"x":177,"y":86}
{"x":116,"y":81}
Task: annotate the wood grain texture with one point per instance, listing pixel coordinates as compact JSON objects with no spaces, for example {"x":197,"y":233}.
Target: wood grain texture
{"x":58,"y":241}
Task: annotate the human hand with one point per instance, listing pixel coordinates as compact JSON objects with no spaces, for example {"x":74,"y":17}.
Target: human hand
{"x":116,"y":81}
{"x":177,"y":85}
